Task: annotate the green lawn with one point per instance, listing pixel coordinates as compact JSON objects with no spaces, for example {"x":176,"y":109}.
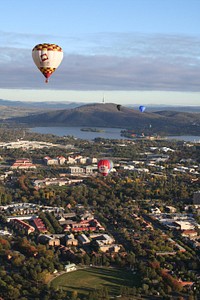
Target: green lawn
{"x":85,"y":280}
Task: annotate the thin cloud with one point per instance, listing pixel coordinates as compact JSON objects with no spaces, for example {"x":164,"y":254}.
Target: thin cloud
{"x":106,"y":62}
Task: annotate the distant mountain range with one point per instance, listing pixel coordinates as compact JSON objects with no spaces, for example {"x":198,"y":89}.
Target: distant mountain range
{"x":19,"y":108}
{"x":107,"y":115}
{"x":46,"y":105}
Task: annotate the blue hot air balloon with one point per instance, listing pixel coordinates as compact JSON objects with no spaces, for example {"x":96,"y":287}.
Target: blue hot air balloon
{"x":142,"y":108}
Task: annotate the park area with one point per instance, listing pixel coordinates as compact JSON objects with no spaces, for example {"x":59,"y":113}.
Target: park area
{"x":89,"y":279}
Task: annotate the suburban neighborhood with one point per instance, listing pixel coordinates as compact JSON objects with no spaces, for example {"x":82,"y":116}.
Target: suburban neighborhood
{"x":128,"y":219}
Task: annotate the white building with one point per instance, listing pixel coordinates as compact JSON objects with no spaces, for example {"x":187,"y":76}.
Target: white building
{"x":70,"y":267}
{"x":76,"y":170}
{"x":184,"y":225}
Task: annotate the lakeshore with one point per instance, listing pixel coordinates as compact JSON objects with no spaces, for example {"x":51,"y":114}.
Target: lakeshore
{"x":107,"y":133}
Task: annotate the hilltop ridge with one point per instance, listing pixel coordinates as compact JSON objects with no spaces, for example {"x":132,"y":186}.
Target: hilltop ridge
{"x":107,"y":115}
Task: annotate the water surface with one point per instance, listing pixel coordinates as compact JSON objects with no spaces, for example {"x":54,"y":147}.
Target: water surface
{"x":107,"y":133}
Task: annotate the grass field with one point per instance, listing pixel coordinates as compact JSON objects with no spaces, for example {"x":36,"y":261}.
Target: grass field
{"x":85,"y":280}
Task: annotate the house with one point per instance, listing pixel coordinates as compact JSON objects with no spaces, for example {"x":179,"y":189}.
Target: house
{"x":50,"y":161}
{"x":61,"y":160}
{"x":71,"y":160}
{"x":81,"y":160}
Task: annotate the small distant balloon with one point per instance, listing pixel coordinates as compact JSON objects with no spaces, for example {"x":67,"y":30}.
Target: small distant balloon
{"x":47,"y":58}
{"x":105,"y":166}
{"x":142,"y":108}
{"x":119,"y":107}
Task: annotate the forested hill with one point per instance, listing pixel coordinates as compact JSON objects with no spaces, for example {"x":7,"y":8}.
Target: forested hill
{"x":107,"y":115}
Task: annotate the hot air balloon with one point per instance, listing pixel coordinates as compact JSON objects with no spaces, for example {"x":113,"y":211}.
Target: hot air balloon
{"x":105,"y":166}
{"x":142,"y":108}
{"x":47,"y":58}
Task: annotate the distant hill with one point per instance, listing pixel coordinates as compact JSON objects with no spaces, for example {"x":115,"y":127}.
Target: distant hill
{"x":161,"y":107}
{"x":40,"y":105}
{"x":19,"y":108}
{"x":49,"y":105}
{"x":107,"y":115}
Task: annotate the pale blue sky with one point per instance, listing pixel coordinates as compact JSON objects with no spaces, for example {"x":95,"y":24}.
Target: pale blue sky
{"x":131,"y":51}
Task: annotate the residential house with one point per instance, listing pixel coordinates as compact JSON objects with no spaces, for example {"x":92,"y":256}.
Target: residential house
{"x":50,"y":161}
{"x":61,"y":160}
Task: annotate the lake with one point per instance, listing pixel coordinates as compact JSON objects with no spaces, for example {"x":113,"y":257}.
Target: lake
{"x":108,"y":133}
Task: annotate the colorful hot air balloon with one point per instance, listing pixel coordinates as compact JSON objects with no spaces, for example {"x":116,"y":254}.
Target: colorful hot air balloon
{"x":47,"y":58}
{"x":142,"y":108}
{"x":105,"y":166}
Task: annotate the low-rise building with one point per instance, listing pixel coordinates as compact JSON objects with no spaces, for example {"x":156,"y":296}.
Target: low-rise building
{"x":70,"y":267}
{"x":83,"y":239}
{"x":23,"y":163}
{"x":75,"y":170}
{"x":170,"y":209}
{"x":184,"y":225}
{"x":39,"y":225}
{"x":49,"y":240}
{"x":21,"y":225}
{"x":189,"y":233}
{"x":70,"y":240}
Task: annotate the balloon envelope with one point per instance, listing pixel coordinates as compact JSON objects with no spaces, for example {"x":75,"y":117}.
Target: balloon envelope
{"x":47,"y":58}
{"x":105,"y":166}
{"x":142,"y":108}
{"x":119,"y":107}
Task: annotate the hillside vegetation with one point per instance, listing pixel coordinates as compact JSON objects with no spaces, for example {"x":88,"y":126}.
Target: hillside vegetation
{"x":107,"y":115}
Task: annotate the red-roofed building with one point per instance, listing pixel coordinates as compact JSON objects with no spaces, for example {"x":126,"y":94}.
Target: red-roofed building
{"x":23,"y":163}
{"x":21,"y":225}
{"x":86,"y":225}
{"x":189,"y":233}
{"x":40,"y":225}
